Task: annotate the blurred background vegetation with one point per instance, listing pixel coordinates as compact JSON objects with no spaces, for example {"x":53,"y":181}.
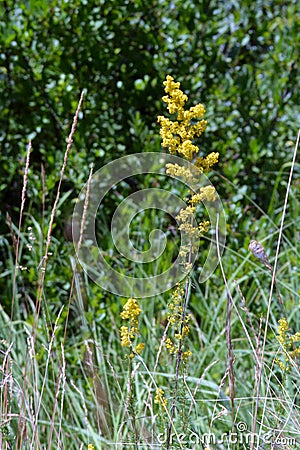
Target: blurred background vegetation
{"x":239,"y":58}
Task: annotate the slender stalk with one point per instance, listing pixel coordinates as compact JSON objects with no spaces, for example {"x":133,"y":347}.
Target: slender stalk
{"x":131,"y":404}
{"x":23,"y":199}
{"x":49,"y":234}
{"x":228,"y":331}
{"x":179,"y":354}
{"x":62,"y":362}
{"x":16,"y":246}
{"x":254,"y":424}
{"x":230,"y":357}
{"x":21,"y":426}
{"x":82,"y":225}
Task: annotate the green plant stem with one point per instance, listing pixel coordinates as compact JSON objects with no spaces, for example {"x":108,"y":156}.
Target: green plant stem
{"x":130,"y":403}
{"x":179,"y":354}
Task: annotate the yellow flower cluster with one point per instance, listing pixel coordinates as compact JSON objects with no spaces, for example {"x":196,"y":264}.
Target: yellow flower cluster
{"x":186,"y":175}
{"x":178,"y":135}
{"x":206,"y":193}
{"x":175,"y":98}
{"x":290,"y":343}
{"x":127,"y":335}
{"x":187,"y":220}
{"x":283,"y":329}
{"x":205,"y":163}
{"x":131,"y":311}
{"x":159,"y":398}
{"x":181,"y":328}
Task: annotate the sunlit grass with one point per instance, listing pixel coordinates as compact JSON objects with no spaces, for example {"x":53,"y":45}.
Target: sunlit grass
{"x":64,"y":374}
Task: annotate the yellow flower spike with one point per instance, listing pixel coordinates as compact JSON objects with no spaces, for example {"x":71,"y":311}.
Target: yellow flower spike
{"x":126,"y":336}
{"x":289,"y":343}
{"x":205,"y":163}
{"x":170,"y":346}
{"x":178,"y":336}
{"x":130,"y":310}
{"x":178,"y":135}
{"x":91,"y":447}
{"x":159,"y":398}
{"x":283,"y":329}
{"x":169,"y":343}
{"x":204,"y":227}
{"x":185,"y":330}
{"x":139,"y":348}
{"x":187,"y":149}
{"x":208,"y":193}
{"x":170,"y":84}
{"x":295,"y":337}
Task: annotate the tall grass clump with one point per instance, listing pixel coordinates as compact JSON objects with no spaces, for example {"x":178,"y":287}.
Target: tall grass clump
{"x":210,"y":365}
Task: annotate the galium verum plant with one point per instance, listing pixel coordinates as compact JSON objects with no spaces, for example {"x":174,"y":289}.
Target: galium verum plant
{"x":129,"y":334}
{"x":178,"y":136}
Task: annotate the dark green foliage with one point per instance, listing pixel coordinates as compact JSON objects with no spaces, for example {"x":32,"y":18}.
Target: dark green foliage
{"x":239,"y":58}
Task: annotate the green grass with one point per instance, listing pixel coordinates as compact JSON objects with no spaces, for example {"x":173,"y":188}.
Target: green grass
{"x":65,"y":377}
